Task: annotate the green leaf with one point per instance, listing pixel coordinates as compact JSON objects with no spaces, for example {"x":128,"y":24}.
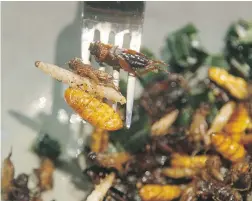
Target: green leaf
{"x":185,"y":117}
{"x":184,"y":50}
{"x":152,"y":77}
{"x":217,"y":60}
{"x":238,"y":48}
{"x":46,"y":146}
{"x":196,"y":99}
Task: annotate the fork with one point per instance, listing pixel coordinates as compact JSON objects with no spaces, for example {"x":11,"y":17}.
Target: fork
{"x":120,"y":18}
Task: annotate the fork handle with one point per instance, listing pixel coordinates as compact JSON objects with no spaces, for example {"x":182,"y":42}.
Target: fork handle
{"x":131,"y":6}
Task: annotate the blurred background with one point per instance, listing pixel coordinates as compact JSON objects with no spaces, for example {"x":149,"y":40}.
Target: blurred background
{"x":50,"y":32}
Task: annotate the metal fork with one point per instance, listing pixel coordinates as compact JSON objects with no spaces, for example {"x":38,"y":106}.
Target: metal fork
{"x":119,"y":17}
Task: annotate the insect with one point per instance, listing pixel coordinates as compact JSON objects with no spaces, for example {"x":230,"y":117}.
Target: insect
{"x":236,"y":86}
{"x":45,"y":174}
{"x":188,"y":161}
{"x":7,"y":176}
{"x":240,"y":176}
{"x":175,"y":141}
{"x":198,"y":127}
{"x":85,"y":70}
{"x":93,"y":110}
{"x":102,"y":188}
{"x":99,"y":140}
{"x":152,"y":192}
{"x":189,"y":194}
{"x":162,"y":126}
{"x":228,"y":148}
{"x":239,"y":120}
{"x":110,"y":160}
{"x":20,"y":191}
{"x":222,"y":117}
{"x":205,"y":189}
{"x":160,"y":98}
{"x":212,"y":169}
{"x":84,"y":83}
{"x":145,"y":161}
{"x":178,"y":172}
{"x":129,"y":60}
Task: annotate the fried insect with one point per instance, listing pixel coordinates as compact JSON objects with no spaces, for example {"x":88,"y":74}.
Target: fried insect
{"x":153,"y":192}
{"x":212,"y":169}
{"x":145,"y":161}
{"x":99,"y":140}
{"x":129,"y":60}
{"x":199,"y":126}
{"x":222,"y":117}
{"x":249,"y":100}
{"x":161,"y":97}
{"x":236,"y":86}
{"x":20,"y":190}
{"x":188,"y":161}
{"x":228,"y":148}
{"x":151,"y":177}
{"x":86,"y":70}
{"x":240,"y":176}
{"x":239,"y":120}
{"x":97,"y":113}
{"x":162,"y":126}
{"x":110,"y":160}
{"x":101,"y":189}
{"x":180,"y":172}
{"x":189,"y":194}
{"x":175,"y":141}
{"x":204,"y":190}
{"x":45,"y":174}
{"x":84,"y":83}
{"x":7,"y":176}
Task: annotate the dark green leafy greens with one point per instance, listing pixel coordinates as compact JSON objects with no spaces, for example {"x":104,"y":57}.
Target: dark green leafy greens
{"x":47,"y":147}
{"x":238,"y":48}
{"x":183,"y":50}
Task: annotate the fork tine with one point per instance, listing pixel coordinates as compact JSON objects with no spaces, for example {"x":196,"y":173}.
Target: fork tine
{"x":104,"y":29}
{"x":134,"y":45}
{"x":116,"y":73}
{"x":87,"y":37}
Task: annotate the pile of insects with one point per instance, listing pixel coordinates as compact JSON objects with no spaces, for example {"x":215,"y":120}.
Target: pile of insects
{"x":30,"y":187}
{"x":191,"y":133}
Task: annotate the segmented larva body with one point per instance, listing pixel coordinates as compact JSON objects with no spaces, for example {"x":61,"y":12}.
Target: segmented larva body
{"x":93,"y":110}
{"x":239,"y":120}
{"x":236,"y":86}
{"x":114,"y":160}
{"x":178,"y":172}
{"x":228,"y":148}
{"x":99,"y":140}
{"x":188,"y":161}
{"x":152,"y":192}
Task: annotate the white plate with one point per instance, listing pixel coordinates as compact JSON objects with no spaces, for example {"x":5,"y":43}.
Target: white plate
{"x":50,"y":31}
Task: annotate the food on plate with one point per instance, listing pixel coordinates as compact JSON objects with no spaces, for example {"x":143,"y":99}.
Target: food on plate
{"x":129,"y":60}
{"x":93,"y":110}
{"x":84,"y":83}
